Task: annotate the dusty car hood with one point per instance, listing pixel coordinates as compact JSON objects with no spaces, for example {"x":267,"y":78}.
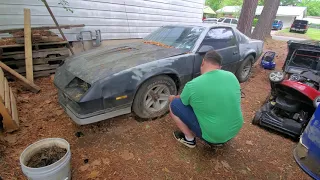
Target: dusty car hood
{"x":95,"y":64}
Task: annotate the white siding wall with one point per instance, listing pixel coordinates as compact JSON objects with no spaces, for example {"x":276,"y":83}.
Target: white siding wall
{"x":117,"y":19}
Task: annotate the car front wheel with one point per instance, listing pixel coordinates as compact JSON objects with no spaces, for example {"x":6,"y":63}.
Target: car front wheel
{"x":244,"y":71}
{"x":152,"y":98}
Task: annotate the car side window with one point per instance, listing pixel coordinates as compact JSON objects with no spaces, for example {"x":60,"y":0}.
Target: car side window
{"x":234,"y":21}
{"x":219,"y":38}
{"x":227,"y":21}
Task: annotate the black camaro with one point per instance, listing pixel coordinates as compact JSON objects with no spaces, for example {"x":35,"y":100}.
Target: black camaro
{"x":110,"y":81}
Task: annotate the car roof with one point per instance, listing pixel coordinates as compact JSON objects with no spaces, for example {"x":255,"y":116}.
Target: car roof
{"x":205,"y":25}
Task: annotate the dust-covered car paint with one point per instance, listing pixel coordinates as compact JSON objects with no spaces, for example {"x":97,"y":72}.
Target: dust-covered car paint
{"x":102,"y":83}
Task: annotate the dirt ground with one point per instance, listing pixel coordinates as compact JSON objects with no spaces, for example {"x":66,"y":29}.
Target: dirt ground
{"x":123,"y":148}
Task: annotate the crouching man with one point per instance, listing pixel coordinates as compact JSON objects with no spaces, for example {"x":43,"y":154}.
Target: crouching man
{"x":209,"y":106}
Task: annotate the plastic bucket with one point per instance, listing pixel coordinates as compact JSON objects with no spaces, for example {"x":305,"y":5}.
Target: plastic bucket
{"x":59,"y":170}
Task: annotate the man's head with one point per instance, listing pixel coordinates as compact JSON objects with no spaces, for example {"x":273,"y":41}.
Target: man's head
{"x":211,"y":61}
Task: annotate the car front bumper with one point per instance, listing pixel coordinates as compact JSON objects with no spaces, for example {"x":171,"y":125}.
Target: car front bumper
{"x":89,"y":118}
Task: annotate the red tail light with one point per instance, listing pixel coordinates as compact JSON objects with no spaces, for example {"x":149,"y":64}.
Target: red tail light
{"x":291,"y":25}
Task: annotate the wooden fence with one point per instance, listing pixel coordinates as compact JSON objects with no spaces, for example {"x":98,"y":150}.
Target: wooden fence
{"x":8,"y":105}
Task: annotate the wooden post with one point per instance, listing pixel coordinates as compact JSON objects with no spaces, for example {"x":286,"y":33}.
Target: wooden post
{"x":28,"y":44}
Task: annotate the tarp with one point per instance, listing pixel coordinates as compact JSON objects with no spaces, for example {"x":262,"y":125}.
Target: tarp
{"x":208,"y":10}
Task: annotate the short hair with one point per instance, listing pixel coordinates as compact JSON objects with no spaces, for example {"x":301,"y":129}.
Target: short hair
{"x":213,"y":57}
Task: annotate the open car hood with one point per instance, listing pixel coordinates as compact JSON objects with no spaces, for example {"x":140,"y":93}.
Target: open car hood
{"x":95,"y":64}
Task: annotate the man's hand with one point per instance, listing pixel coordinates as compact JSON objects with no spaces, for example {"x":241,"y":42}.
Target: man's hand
{"x":172,"y":97}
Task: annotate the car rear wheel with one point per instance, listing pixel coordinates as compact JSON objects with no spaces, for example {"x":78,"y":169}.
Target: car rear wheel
{"x":244,"y":71}
{"x":152,"y":98}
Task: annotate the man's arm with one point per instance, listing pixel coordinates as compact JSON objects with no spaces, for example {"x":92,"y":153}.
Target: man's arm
{"x":172,"y":97}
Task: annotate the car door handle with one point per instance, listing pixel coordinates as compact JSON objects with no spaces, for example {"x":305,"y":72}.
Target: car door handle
{"x":234,"y":53}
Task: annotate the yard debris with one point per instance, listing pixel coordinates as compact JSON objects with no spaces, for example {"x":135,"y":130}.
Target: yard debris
{"x":93,"y":175}
{"x":126,"y":155}
{"x":84,"y":167}
{"x":165,"y":169}
{"x":96,"y":162}
{"x":59,"y":112}
{"x":106,"y":161}
{"x":11,"y":138}
{"x":157,"y":44}
{"x":79,"y":134}
{"x":86,"y":161}
{"x":249,"y":143}
{"x":225,"y":164}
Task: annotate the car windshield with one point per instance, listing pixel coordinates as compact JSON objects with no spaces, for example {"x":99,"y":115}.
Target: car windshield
{"x":306,"y":59}
{"x":275,"y":22}
{"x":174,"y":36}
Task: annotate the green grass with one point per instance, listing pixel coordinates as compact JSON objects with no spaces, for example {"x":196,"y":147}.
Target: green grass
{"x":312,"y":33}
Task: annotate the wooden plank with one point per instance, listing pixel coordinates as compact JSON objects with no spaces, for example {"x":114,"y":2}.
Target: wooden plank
{"x":36,"y":68}
{"x":14,"y":110}
{"x":37,"y":61}
{"x":8,"y":124}
{"x":1,"y":85}
{"x":33,"y":87}
{"x":28,"y":44}
{"x":42,"y":28}
{"x":37,"y":44}
{"x":7,"y":96}
{"x":36,"y":53}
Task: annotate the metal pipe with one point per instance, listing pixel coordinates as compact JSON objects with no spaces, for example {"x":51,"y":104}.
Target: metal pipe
{"x":55,"y":21}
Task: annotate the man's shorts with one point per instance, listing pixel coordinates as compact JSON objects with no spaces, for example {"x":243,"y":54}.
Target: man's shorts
{"x":187,"y":116}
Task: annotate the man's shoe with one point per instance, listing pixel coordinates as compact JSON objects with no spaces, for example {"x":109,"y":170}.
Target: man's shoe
{"x":181,"y":138}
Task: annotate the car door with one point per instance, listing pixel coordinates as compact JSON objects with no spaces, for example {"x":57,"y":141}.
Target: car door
{"x":223,"y":40}
{"x":227,"y":21}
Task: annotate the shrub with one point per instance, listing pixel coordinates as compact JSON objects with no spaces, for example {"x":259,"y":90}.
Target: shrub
{"x":255,"y":21}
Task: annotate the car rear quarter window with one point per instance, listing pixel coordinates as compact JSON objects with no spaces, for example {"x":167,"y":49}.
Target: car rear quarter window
{"x":220,"y":38}
{"x":234,"y":21}
{"x":227,"y":21}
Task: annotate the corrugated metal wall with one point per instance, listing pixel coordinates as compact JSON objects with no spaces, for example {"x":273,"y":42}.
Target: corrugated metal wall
{"x":117,"y":19}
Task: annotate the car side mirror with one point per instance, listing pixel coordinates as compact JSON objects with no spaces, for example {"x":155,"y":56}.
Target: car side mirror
{"x":204,"y":49}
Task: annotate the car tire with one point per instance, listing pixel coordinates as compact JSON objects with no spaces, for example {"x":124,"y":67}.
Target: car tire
{"x":148,"y":90}
{"x":256,"y":118}
{"x":246,"y":64}
{"x":290,"y":30}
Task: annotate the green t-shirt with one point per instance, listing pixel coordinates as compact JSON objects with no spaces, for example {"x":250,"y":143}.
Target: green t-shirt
{"x":216,"y":100}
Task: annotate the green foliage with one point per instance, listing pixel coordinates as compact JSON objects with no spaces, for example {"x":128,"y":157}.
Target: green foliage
{"x":218,"y":4}
{"x":313,"y":7}
{"x":289,"y":2}
{"x":255,"y":21}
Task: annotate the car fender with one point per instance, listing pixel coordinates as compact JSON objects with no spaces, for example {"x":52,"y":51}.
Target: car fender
{"x":155,"y":72}
{"x":248,"y":53}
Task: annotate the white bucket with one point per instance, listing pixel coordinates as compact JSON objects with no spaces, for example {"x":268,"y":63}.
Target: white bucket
{"x":59,"y":170}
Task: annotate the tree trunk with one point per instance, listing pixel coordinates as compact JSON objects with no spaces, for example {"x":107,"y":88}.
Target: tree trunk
{"x":268,"y":14}
{"x":247,"y":15}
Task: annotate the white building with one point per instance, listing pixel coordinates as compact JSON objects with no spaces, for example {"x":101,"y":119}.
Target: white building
{"x":116,"y":19}
{"x":286,"y":14}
